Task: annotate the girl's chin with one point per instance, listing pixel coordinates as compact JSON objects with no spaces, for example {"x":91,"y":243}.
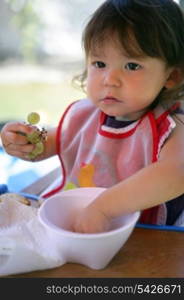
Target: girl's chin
{"x":112,"y":114}
{"x":113,"y":109}
{"x":118,"y":113}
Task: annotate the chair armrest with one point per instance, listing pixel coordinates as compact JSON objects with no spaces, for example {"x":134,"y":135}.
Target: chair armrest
{"x":43,"y":183}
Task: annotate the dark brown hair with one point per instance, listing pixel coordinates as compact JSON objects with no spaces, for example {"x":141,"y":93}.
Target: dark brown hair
{"x":152,"y":28}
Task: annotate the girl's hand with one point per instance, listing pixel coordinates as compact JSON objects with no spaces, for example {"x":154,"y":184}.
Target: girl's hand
{"x":91,"y":220}
{"x":13,"y":136}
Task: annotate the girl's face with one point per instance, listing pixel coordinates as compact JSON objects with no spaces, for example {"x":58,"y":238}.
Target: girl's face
{"x":123,"y":86}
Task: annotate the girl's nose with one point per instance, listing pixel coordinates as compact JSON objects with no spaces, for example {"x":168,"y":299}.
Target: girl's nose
{"x":112,"y":78}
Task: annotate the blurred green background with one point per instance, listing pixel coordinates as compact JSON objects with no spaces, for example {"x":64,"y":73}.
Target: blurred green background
{"x":40,"y":53}
{"x":50,"y":100}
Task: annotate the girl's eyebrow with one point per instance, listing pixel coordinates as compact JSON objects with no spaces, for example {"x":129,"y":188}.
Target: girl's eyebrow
{"x":101,"y":54}
{"x":97,"y":55}
{"x":94,"y":55}
{"x":127,"y":57}
{"x":136,"y":57}
{"x":97,"y":52}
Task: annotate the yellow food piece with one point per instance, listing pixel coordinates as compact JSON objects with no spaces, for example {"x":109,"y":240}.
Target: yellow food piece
{"x":15,"y":197}
{"x":70,"y":186}
{"x":85,"y":177}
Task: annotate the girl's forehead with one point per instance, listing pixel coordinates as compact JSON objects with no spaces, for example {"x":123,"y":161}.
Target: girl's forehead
{"x":105,"y":40}
{"x":128,"y":47}
{"x":103,"y":46}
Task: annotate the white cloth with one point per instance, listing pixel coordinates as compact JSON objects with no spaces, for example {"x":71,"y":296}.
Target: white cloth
{"x":25,"y":244}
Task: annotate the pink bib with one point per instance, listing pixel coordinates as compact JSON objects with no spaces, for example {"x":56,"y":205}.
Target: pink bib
{"x":93,"y":154}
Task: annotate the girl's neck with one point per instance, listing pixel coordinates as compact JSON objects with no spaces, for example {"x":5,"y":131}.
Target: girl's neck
{"x":132,"y":117}
{"x":122,"y":118}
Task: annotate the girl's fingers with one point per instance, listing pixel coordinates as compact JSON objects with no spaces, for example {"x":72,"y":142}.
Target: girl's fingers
{"x":15,"y":127}
{"x":19,"y":148}
{"x":14,"y":138}
{"x":21,"y":155}
{"x":15,"y":133}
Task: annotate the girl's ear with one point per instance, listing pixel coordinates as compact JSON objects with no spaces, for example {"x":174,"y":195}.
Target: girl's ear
{"x":174,"y":78}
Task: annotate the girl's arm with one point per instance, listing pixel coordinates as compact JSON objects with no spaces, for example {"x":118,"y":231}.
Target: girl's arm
{"x":155,"y":184}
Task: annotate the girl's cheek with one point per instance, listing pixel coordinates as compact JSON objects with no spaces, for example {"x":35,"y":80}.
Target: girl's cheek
{"x":89,"y":81}
{"x":88,"y":88}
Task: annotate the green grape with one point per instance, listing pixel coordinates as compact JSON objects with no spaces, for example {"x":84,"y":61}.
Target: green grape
{"x":34,"y":137}
{"x":39,"y":147}
{"x":33,"y":118}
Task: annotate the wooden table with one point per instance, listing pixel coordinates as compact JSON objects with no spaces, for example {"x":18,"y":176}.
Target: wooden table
{"x":148,"y":253}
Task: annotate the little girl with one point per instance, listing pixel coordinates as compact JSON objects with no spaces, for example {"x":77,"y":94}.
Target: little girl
{"x":128,"y":135}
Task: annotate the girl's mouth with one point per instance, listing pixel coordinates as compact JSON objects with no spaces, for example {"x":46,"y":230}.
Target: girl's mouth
{"x":110,"y":100}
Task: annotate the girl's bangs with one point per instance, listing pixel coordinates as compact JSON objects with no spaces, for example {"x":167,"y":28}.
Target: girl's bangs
{"x":124,"y":39}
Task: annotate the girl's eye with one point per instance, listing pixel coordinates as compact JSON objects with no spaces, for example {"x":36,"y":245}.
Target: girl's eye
{"x":132,"y":66}
{"x":99,"y":64}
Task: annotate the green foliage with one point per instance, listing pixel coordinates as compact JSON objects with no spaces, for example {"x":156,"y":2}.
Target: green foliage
{"x":50,"y":100}
{"x":26,"y":19}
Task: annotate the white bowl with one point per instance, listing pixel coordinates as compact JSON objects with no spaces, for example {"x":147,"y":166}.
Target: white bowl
{"x":93,"y":250}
